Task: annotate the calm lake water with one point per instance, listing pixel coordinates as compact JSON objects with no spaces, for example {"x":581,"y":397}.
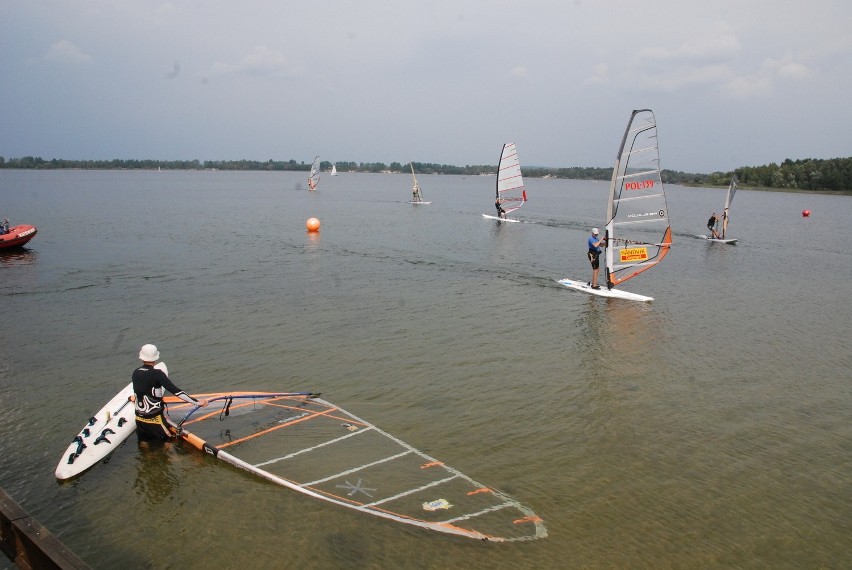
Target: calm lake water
{"x":708,"y":429}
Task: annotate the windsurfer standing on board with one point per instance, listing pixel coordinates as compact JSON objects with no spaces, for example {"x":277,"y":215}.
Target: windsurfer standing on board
{"x":594,"y":256}
{"x":711,"y":225}
{"x":149,"y":385}
{"x":501,"y":213}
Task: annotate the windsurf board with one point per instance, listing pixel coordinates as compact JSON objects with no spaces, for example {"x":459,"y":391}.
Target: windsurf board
{"x":102,"y":434}
{"x":603,"y":291}
{"x":499,"y":219}
{"x":717,"y":240}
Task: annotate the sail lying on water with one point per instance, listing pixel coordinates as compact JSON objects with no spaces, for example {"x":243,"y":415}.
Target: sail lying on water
{"x":313,"y":179}
{"x":307,"y":444}
{"x":638,"y":230}
{"x":511,"y":193}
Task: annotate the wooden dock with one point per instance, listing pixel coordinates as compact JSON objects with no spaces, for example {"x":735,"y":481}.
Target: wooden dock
{"x":30,"y":545}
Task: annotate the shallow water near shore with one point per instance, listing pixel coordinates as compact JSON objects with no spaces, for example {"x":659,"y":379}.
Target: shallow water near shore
{"x":707,"y":429}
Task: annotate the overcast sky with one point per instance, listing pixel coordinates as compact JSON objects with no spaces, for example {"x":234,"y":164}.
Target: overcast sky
{"x":732,"y":83}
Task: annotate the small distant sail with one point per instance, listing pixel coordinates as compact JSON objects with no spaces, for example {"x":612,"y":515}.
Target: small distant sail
{"x":416,"y":193}
{"x":732,"y":189}
{"x":638,"y":230}
{"x":511,"y":193}
{"x":313,"y":179}
{"x":334,"y":170}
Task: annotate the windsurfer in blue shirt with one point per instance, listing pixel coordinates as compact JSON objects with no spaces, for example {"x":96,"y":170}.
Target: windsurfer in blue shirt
{"x":149,"y":385}
{"x":594,"y":256}
{"x":4,"y":226}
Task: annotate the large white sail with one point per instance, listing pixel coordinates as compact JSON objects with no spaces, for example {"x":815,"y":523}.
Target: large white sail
{"x":511,"y":193}
{"x":638,"y":231}
{"x":729,"y":198}
{"x":313,"y":179}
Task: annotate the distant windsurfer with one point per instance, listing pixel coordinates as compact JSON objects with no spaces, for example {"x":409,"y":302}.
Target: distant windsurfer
{"x":149,"y":385}
{"x":501,"y":213}
{"x":711,"y":225}
{"x":594,"y":256}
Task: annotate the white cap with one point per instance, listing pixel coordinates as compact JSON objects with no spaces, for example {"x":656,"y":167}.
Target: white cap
{"x":595,"y":231}
{"x":149,"y":353}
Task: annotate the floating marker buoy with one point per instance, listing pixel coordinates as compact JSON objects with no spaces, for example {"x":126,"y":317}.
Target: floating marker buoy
{"x":806,"y":213}
{"x":313,"y":225}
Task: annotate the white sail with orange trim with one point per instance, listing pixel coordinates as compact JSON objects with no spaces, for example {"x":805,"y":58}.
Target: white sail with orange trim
{"x":313,"y":178}
{"x":638,"y":232}
{"x":312,"y":446}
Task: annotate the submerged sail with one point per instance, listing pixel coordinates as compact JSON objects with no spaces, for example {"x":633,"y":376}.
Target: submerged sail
{"x":511,"y":193}
{"x":312,"y":446}
{"x":732,"y":189}
{"x":638,"y":231}
{"x":313,"y":179}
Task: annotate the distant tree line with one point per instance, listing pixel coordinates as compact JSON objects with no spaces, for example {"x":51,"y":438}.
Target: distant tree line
{"x":809,"y":174}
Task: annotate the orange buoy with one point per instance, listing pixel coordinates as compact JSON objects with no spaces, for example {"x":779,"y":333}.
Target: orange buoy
{"x":806,"y":213}
{"x":313,"y":225}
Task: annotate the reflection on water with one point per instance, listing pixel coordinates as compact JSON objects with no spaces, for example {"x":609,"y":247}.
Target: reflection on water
{"x":17,"y":257}
{"x":156,"y":481}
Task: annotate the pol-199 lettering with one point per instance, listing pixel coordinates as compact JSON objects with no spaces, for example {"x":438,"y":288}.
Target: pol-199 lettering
{"x":639,"y":185}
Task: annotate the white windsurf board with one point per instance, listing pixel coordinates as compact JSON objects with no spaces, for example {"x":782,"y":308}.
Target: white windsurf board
{"x":603,"y":291}
{"x":102,"y":434}
{"x":499,"y":219}
{"x":717,"y":240}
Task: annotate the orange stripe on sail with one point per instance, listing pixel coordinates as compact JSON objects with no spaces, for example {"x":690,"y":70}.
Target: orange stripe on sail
{"x":664,"y":249}
{"x":527,"y":519}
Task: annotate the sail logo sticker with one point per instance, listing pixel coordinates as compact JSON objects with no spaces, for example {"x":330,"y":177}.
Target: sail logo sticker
{"x":639,"y":185}
{"x":634,"y":254}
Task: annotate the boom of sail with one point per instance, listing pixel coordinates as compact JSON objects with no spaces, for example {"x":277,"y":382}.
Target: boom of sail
{"x":638,"y":230}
